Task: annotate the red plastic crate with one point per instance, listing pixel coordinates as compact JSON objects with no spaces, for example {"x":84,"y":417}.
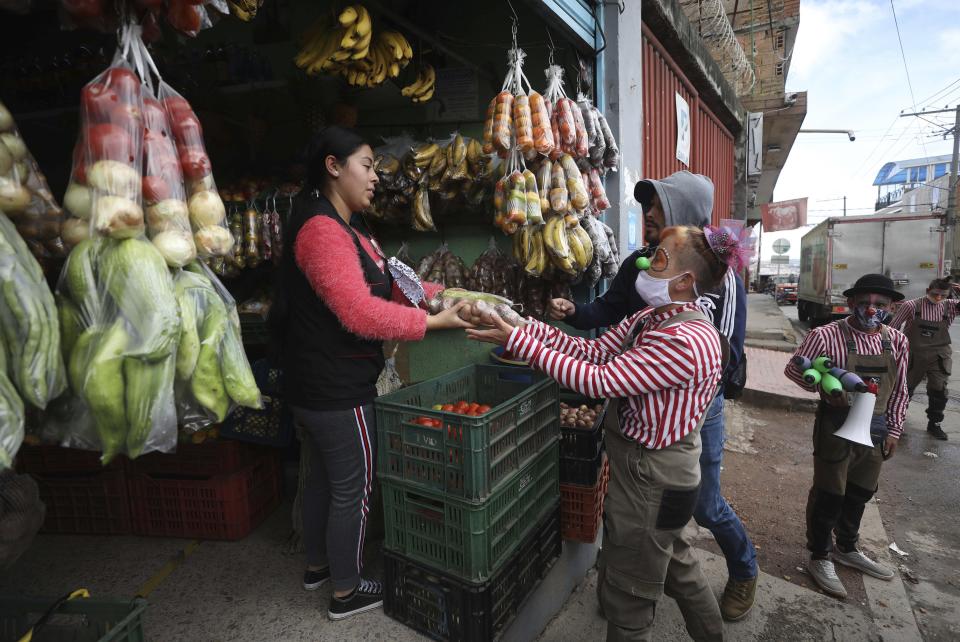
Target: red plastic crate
{"x":212,"y":457}
{"x":94,"y":503}
{"x":224,"y":507}
{"x":581,"y":507}
{"x":46,"y":459}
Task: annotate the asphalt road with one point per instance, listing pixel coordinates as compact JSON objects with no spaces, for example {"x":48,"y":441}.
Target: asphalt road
{"x":918,"y":498}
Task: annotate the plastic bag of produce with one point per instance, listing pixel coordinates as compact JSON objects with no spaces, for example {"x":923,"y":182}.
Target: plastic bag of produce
{"x":208,"y":216}
{"x":212,"y":371}
{"x":164,"y":192}
{"x":188,"y":17}
{"x":11,"y":418}
{"x":24,"y":195}
{"x":29,"y":327}
{"x":121,"y":328}
{"x":105,"y":187}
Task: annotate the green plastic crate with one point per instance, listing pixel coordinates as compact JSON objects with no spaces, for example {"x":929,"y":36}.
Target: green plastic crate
{"x":79,"y":620}
{"x":468,"y":540}
{"x":469,"y":457}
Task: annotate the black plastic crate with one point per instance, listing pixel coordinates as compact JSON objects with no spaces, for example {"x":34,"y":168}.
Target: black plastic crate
{"x":582,"y":472}
{"x":445,"y":608}
{"x":582,"y":443}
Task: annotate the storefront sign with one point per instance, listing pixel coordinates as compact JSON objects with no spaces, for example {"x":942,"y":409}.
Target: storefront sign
{"x":683,"y":131}
{"x":755,"y":143}
{"x":784,"y":215}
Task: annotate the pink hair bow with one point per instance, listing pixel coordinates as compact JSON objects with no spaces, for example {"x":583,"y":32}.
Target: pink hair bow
{"x":731,"y":242}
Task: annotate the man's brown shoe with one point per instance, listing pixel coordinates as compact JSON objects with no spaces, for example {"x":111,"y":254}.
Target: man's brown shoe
{"x":737,"y":599}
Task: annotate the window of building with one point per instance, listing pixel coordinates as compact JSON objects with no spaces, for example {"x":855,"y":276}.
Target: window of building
{"x":779,"y":68}
{"x":779,"y":40}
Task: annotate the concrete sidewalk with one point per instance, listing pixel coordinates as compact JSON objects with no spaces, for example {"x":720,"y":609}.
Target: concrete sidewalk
{"x":767,"y":327}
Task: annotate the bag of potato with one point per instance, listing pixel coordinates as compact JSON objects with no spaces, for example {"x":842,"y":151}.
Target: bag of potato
{"x":24,"y":194}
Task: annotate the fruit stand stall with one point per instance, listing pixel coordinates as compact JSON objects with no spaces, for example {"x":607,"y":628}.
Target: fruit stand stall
{"x":137,"y":392}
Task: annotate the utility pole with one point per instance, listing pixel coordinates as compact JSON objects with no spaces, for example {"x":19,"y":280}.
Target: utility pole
{"x":953,"y":238}
{"x":844,"y":205}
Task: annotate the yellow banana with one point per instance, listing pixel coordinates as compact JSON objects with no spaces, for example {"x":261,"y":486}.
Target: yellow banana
{"x":395,"y":40}
{"x":587,"y":244}
{"x":364,"y":24}
{"x":349,"y":16}
{"x":415,"y":87}
{"x":577,"y":251}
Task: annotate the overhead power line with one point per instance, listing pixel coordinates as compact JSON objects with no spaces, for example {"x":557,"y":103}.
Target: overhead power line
{"x":906,"y":67}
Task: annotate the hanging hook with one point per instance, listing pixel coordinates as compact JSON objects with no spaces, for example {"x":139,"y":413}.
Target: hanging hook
{"x":553,"y":48}
{"x":516,"y":22}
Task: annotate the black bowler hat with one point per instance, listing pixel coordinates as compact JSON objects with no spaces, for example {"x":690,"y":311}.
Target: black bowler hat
{"x":874,"y":284}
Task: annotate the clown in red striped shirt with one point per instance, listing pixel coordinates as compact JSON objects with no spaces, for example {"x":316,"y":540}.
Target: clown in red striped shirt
{"x":846,"y":470}
{"x":926,"y":322}
{"x":660,"y":368}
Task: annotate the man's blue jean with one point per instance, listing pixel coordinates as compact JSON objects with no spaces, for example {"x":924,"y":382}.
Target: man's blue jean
{"x":713,"y":512}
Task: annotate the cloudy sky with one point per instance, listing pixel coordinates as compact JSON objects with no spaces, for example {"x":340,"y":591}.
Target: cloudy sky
{"x":847,"y":57}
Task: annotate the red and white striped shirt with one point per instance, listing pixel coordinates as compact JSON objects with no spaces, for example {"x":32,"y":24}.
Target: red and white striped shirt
{"x":829,"y":340}
{"x":667,"y":379}
{"x":929,"y":311}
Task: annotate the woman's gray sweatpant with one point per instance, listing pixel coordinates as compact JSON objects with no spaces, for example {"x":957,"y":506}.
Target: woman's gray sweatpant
{"x":336,"y":502}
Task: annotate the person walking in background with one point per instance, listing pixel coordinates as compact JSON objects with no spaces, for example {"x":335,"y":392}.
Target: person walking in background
{"x":687,"y":199}
{"x":845,"y":474}
{"x":926,"y":322}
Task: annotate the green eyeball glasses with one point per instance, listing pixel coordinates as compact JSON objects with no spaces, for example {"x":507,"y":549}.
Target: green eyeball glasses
{"x":643,"y":263}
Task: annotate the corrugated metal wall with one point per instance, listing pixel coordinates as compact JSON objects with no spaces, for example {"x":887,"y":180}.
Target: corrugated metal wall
{"x":711,"y":144}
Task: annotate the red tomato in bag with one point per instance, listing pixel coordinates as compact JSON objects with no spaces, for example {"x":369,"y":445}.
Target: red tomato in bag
{"x":188,"y":131}
{"x":184,"y":17}
{"x":127,"y":116}
{"x":154,"y":117}
{"x":195,"y":163}
{"x":98,"y":102}
{"x":155,"y":189}
{"x":177,"y":108}
{"x":109,"y":142}
{"x":125,"y":83}
{"x":83,"y":9}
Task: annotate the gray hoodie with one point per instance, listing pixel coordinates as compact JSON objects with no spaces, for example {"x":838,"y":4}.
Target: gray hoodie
{"x":687,"y":198}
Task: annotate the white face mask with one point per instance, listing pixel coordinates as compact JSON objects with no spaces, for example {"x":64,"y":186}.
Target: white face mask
{"x":656,"y":292}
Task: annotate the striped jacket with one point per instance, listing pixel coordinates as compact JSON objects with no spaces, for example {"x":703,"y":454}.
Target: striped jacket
{"x":929,"y":311}
{"x":829,"y":340}
{"x":667,"y":379}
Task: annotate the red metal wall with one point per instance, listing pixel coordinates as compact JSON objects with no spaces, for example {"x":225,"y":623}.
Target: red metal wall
{"x":711,"y":144}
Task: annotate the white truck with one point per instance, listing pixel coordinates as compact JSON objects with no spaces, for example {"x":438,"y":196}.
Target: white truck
{"x":834,"y":254}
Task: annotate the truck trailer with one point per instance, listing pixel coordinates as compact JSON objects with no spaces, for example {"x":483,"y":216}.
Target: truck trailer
{"x":834,"y":254}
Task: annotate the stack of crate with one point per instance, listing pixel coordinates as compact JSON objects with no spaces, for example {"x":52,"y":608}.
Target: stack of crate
{"x":584,"y":472}
{"x":471,"y":503}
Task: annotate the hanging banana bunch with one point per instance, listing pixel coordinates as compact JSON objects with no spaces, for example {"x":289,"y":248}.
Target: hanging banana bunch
{"x":245,"y":10}
{"x":422,"y":88}
{"x":350,"y":48}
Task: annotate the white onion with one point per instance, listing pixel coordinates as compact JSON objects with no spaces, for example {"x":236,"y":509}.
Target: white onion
{"x":176,"y":247}
{"x":6,"y":159}
{"x":6,"y":118}
{"x":117,"y":217}
{"x":78,"y":200}
{"x":14,"y":197}
{"x":206,"y":209}
{"x":15,"y":144}
{"x":168,"y":214}
{"x":214,"y":240}
{"x":114,"y":177}
{"x":74,"y":230}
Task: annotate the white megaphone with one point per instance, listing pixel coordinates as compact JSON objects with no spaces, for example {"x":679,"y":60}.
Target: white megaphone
{"x":857,"y":426}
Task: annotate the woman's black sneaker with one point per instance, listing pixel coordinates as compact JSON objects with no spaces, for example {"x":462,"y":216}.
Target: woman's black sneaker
{"x":312,"y":580}
{"x":367,"y":596}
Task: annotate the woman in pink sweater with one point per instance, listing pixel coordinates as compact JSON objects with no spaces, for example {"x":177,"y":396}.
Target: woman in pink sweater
{"x":337,"y":304}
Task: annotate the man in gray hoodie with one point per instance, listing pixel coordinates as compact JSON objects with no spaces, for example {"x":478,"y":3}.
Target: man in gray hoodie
{"x":684,"y":198}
